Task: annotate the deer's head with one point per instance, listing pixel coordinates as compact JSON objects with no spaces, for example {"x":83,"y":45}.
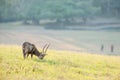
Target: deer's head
{"x":44,"y":50}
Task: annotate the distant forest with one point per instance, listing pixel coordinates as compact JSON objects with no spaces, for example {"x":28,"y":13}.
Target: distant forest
{"x":59,"y":10}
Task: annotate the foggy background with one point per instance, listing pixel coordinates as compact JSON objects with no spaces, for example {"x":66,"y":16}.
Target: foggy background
{"x":74,"y":25}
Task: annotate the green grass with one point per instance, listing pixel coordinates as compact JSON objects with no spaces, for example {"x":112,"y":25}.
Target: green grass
{"x":57,"y":65}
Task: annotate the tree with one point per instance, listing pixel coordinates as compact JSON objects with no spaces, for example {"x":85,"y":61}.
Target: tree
{"x":108,"y":7}
{"x":85,"y":10}
{"x":60,"y":10}
{"x":6,"y":11}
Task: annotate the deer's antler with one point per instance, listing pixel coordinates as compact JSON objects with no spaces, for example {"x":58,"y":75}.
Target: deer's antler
{"x":46,"y":48}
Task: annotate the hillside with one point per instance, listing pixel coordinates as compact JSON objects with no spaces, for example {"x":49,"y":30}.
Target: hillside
{"x":57,"y":65}
{"x":73,"y":40}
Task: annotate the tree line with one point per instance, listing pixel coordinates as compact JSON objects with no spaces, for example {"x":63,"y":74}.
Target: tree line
{"x":59,"y":10}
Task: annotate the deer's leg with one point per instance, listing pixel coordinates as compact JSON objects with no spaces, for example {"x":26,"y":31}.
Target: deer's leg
{"x":24,"y":54}
{"x":31,"y":55}
{"x":27,"y":55}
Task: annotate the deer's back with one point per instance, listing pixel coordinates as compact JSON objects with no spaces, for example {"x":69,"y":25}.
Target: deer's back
{"x":28,"y":47}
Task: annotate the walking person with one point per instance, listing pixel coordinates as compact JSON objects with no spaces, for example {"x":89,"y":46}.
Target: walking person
{"x":102,"y":47}
{"x":112,"y":48}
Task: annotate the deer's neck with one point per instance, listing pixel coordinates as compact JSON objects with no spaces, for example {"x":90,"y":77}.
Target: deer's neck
{"x":37,"y":53}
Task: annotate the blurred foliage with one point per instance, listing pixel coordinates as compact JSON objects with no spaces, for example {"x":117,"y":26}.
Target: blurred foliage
{"x":35,"y":10}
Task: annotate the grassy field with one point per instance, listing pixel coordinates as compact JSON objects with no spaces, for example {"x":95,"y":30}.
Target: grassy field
{"x":57,"y":65}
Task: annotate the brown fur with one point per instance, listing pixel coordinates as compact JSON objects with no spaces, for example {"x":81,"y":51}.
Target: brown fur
{"x":29,"y":48}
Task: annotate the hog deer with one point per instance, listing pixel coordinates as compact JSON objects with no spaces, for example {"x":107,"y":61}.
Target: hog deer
{"x":29,"y":48}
